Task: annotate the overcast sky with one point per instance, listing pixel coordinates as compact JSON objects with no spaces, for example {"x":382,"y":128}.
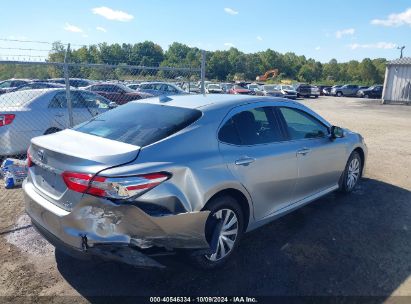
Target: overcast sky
{"x":345,"y":30}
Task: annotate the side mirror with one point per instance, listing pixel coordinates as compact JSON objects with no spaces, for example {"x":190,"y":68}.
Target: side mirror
{"x":112,"y":105}
{"x":336,"y":132}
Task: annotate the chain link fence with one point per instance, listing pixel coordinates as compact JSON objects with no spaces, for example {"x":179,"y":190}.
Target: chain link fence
{"x":38,"y":98}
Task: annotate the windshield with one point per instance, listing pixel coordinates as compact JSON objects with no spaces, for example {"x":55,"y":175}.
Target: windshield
{"x":140,"y":124}
{"x":18,"y":98}
{"x":287,"y":87}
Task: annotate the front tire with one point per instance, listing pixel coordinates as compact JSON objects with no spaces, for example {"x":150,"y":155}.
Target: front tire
{"x":339,"y":94}
{"x":224,"y":229}
{"x":352,"y":173}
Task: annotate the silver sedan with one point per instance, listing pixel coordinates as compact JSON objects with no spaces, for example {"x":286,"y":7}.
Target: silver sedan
{"x":186,"y":173}
{"x":30,"y":113}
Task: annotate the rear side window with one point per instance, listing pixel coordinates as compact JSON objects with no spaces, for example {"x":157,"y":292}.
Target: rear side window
{"x":251,"y":127}
{"x":140,"y":124}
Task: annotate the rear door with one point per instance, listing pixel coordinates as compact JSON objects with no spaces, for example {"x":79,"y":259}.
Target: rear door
{"x":58,"y":110}
{"x":320,"y":160}
{"x":252,"y":144}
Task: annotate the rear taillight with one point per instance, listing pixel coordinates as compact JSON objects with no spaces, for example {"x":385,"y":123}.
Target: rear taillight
{"x":113,"y":187}
{"x":29,"y":160}
{"x":6,"y":119}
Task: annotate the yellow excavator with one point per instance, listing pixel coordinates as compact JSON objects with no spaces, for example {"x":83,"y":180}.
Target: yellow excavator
{"x":269,"y":74}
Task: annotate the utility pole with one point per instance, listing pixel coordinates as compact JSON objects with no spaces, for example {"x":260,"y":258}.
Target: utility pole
{"x":203,"y":66}
{"x":67,"y":81}
{"x":401,"y":48}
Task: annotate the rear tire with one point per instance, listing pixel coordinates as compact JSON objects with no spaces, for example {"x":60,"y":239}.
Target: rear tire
{"x":226,"y":216}
{"x":352,"y":173}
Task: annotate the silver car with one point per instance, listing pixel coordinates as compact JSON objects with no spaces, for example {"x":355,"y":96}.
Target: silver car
{"x":30,"y":113}
{"x":184,"y":173}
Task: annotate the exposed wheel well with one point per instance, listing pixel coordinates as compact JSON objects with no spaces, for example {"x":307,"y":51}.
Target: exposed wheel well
{"x":361,"y":153}
{"x":51,"y":130}
{"x":240,"y":198}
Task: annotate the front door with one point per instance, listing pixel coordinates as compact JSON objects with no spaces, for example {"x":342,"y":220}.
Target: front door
{"x":251,"y":142}
{"x":320,"y":160}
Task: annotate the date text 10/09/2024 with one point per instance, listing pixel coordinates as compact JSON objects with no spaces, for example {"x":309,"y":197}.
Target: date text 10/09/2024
{"x":203,"y":300}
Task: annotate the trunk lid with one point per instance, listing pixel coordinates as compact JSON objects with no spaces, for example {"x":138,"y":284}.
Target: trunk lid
{"x":73,"y":151}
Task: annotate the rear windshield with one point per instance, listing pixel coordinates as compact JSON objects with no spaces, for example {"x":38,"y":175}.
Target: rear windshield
{"x":140,"y":124}
{"x":18,"y":98}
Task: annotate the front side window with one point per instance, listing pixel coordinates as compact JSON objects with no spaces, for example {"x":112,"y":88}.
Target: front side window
{"x":301,"y":125}
{"x":251,"y":127}
{"x":91,"y":100}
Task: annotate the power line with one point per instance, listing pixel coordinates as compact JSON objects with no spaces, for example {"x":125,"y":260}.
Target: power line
{"x":25,"y":41}
{"x":24,"y":49}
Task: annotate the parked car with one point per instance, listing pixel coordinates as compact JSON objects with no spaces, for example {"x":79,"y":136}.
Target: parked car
{"x":195,"y":173}
{"x":30,"y":113}
{"x":74,"y":82}
{"x":323,"y":89}
{"x":192,"y":87}
{"x":226,"y":87}
{"x":38,"y":85}
{"x":307,"y":90}
{"x":213,"y":88}
{"x":371,"y":92}
{"x":117,"y":92}
{"x":287,"y":91}
{"x":345,"y":90}
{"x":9,"y":85}
{"x":327,"y":91}
{"x":253,"y":87}
{"x":236,"y":89}
{"x":160,"y":88}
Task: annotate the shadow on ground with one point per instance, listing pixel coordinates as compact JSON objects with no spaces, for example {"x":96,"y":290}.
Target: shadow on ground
{"x":358,"y":244}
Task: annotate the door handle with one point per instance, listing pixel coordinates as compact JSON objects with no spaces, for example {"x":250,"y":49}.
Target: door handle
{"x":59,"y":115}
{"x":245,"y":161}
{"x":303,"y":151}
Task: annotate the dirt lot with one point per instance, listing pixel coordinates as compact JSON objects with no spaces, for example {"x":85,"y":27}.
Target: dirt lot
{"x":339,"y":245}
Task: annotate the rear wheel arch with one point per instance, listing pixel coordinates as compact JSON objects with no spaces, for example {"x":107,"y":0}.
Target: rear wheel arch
{"x":51,"y":130}
{"x":240,"y":198}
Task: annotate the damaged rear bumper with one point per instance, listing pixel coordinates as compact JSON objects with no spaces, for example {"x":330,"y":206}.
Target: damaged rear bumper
{"x":98,"y":226}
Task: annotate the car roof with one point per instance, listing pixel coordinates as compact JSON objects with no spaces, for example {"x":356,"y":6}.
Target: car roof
{"x":210,"y":101}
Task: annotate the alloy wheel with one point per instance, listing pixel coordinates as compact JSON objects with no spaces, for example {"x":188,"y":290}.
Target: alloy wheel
{"x":227,"y":235}
{"x":353,"y":173}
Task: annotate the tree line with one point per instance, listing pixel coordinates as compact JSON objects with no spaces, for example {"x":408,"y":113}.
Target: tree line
{"x":227,"y":65}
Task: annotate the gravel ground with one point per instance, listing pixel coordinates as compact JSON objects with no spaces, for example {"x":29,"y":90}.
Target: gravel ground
{"x":339,"y":245}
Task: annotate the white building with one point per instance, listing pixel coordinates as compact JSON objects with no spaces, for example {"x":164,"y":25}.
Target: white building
{"x":397,"y":85}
